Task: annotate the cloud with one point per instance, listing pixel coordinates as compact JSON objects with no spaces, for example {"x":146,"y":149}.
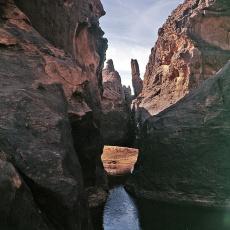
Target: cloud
{"x":131,"y":27}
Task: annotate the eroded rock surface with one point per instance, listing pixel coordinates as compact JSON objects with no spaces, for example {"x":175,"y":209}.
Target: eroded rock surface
{"x":16,"y":203}
{"x":183,"y":110}
{"x":119,"y":160}
{"x":75,"y":28}
{"x":45,"y":92}
{"x":136,"y":79}
{"x":192,"y":46}
{"x":116,"y":122}
{"x":128,"y":93}
{"x":185,"y":149}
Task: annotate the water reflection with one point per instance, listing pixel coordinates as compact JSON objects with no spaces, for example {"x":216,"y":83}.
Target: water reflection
{"x":120,"y":211}
{"x":160,"y":216}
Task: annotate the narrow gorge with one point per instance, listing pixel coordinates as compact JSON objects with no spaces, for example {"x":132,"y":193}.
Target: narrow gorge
{"x":71,"y":132}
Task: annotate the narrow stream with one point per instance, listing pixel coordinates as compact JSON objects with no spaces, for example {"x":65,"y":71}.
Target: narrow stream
{"x":120,"y":211}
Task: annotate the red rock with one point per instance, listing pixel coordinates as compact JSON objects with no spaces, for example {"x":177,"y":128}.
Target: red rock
{"x":119,"y":160}
{"x":50,"y":99}
{"x":136,"y":79}
{"x":184,"y":148}
{"x":116,"y":120}
{"x":191,"y":47}
{"x":128,"y":94}
{"x":6,"y":39}
{"x":112,"y":83}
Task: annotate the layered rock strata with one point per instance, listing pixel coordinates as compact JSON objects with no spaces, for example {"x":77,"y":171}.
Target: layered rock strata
{"x":184,"y":148}
{"x":50,"y":111}
{"x":115,"y":126}
{"x":74,"y":27}
{"x":128,"y":93}
{"x":193,"y":45}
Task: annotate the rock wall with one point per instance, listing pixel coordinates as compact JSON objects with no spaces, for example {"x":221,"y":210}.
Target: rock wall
{"x":193,"y":45}
{"x":183,"y":110}
{"x":74,"y":27}
{"x":136,"y":79}
{"x":184,"y":151}
{"x":15,"y":197}
{"x":116,"y":122}
{"x":50,"y":93}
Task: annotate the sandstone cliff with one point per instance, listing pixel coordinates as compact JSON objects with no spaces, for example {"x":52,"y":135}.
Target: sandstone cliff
{"x":184,"y":109}
{"x":48,"y":88}
{"x":115,"y":125}
{"x":192,"y":46}
{"x":185,"y":149}
{"x":136,"y":79}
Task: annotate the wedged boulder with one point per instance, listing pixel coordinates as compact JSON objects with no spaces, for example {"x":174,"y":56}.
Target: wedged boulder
{"x":184,"y":152}
{"x":115,"y":120}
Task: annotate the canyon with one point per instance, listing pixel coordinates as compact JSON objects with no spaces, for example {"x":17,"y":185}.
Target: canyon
{"x":59,"y":108}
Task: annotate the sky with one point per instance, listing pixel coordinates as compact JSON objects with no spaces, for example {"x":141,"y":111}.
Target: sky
{"x":131,"y":27}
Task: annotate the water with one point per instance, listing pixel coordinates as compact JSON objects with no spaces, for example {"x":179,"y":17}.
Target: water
{"x":162,"y":216}
{"x":123,"y":213}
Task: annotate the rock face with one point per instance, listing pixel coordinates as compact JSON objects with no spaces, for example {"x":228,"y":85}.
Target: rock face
{"x":75,"y":28}
{"x":115,"y":126}
{"x":192,"y":46}
{"x":50,"y":111}
{"x":185,"y":149}
{"x":136,"y":79}
{"x":128,"y":94}
{"x":17,"y":204}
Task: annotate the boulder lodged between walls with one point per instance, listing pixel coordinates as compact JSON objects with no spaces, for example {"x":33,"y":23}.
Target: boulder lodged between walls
{"x":50,"y":96}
